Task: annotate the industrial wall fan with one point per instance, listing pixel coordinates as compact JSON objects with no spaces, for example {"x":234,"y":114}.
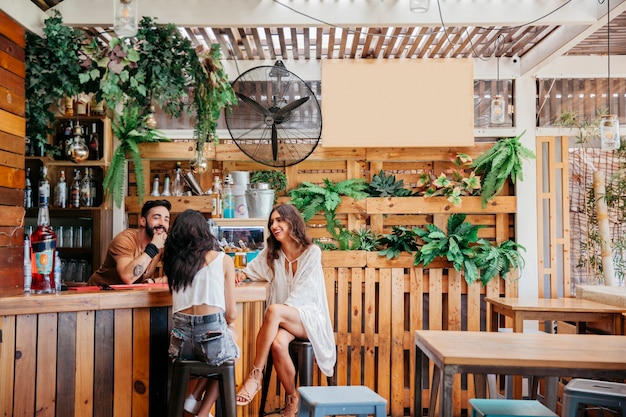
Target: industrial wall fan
{"x":278,"y":120}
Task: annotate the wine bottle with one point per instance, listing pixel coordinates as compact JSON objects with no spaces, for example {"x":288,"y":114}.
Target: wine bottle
{"x":28,"y":270}
{"x":43,"y":241}
{"x":85,"y":190}
{"x":94,"y":143}
{"x":75,"y":190}
{"x":60,"y":192}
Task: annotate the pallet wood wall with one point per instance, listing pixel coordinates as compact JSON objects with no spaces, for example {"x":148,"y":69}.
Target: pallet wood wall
{"x":12,"y":147}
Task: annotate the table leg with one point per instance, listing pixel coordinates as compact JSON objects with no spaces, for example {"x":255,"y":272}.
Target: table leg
{"x":552,"y":383}
{"x":420,"y":358}
{"x":447,"y":385}
{"x":480,"y":384}
{"x":434,"y":391}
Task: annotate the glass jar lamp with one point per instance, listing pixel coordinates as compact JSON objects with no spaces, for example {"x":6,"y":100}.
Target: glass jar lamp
{"x":609,"y":133}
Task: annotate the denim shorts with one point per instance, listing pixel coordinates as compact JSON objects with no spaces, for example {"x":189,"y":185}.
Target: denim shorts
{"x":202,"y":338}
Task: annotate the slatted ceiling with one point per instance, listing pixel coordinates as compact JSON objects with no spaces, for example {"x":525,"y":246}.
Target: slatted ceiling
{"x":595,"y":44}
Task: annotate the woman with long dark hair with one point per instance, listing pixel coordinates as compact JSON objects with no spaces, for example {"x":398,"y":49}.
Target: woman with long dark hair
{"x":297,"y":304}
{"x":202,"y":283}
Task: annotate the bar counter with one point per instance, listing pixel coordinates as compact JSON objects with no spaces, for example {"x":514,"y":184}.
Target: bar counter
{"x":90,"y":352}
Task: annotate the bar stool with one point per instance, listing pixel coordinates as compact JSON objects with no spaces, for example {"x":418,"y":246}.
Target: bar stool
{"x":344,"y":400}
{"x":301,"y":353}
{"x":591,"y":392}
{"x":183,"y":369}
{"x":482,"y":407}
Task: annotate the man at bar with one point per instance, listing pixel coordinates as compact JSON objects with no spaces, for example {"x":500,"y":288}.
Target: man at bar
{"x":133,"y":255}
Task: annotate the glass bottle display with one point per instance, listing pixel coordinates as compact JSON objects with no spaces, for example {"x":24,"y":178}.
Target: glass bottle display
{"x":60,"y":192}
{"x":166,"y":186}
{"x":77,"y":150}
{"x":177,"y":185}
{"x":43,"y":243}
{"x":75,"y":190}
{"x":94,"y":143}
{"x":85,"y":190}
{"x":44,"y":186}
{"x":228,"y":198}
{"x":155,"y":186}
{"x":28,"y":191}
{"x":216,"y":198}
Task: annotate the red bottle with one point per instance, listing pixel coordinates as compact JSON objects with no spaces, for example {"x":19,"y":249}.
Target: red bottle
{"x":43,"y":243}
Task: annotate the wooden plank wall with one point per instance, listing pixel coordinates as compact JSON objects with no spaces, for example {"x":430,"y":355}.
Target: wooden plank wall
{"x":376,"y":305}
{"x":99,"y":363}
{"x":12,"y":147}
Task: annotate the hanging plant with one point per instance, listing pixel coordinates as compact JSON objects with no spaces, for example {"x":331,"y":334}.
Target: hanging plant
{"x":52,"y":68}
{"x":130,"y":128}
{"x":212,"y":93}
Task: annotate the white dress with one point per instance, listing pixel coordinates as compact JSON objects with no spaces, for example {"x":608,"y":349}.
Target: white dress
{"x":306,"y":292}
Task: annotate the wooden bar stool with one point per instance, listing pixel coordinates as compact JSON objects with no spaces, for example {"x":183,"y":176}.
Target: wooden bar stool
{"x":301,"y":352}
{"x":579,"y":392}
{"x":344,"y":400}
{"x":182,"y":371}
{"x":482,"y":407}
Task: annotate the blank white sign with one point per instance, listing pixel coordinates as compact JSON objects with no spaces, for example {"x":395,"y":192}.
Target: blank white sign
{"x":397,"y":103}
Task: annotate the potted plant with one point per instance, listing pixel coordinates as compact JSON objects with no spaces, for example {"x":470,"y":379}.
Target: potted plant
{"x":52,"y":72}
{"x":277,"y":180}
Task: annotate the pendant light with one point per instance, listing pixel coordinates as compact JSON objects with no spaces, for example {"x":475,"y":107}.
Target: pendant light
{"x":125,"y":18}
{"x":498,"y":104}
{"x":609,"y":124}
{"x":419,"y":6}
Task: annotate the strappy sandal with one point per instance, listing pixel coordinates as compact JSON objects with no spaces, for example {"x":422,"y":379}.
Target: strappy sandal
{"x":291,"y":405}
{"x":250,"y":387}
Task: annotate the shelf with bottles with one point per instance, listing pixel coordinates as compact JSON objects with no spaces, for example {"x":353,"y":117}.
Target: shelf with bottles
{"x":83,"y":237}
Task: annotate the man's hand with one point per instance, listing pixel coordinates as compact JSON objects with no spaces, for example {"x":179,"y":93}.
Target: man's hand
{"x":158,"y":240}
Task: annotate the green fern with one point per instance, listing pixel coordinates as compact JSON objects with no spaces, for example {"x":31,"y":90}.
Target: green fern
{"x":130,"y":128}
{"x":498,"y":164}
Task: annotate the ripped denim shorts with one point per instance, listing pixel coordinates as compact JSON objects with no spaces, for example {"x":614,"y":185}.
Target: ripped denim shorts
{"x":202,"y":338}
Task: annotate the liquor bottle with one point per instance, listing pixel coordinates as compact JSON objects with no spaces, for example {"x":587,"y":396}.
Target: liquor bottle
{"x":216,"y":198}
{"x":177,"y":186}
{"x":43,"y":241}
{"x":93,"y":188}
{"x":44,"y":186}
{"x":94,"y":143}
{"x":85,"y":190}
{"x":75,"y":190}
{"x":166,"y":185}
{"x":57,"y":272}
{"x":228,"y":199}
{"x":28,"y":191}
{"x":28,"y":271}
{"x":60,"y":192}
{"x":155,"y":186}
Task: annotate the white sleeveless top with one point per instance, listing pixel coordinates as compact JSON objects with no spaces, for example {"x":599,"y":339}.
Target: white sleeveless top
{"x":207,"y":288}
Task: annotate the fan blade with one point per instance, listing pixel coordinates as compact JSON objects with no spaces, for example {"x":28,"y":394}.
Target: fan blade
{"x":252,"y":103}
{"x":291,"y":106}
{"x":274,"y":142}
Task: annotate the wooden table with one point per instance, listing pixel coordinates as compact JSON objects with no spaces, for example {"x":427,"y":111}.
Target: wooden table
{"x":565,"y":309}
{"x":539,"y":354}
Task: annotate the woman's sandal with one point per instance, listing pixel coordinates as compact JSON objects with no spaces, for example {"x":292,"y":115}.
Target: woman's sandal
{"x":250,"y":387}
{"x":291,"y":405}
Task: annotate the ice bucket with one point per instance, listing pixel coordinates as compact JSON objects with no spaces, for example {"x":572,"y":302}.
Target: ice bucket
{"x":260,"y":200}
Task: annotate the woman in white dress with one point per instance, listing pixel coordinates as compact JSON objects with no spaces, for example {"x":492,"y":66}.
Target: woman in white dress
{"x":297,"y":304}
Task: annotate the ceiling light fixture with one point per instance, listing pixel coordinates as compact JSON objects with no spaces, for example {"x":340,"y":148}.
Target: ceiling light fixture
{"x":419,"y":6}
{"x":609,"y":124}
{"x":125,"y":18}
{"x":498,"y":105}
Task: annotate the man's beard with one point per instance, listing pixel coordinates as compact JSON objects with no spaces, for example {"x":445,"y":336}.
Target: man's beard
{"x":150,"y":230}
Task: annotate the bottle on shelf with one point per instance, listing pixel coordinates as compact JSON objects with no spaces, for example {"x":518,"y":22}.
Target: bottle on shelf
{"x":85,"y":189}
{"x":155,"y":186}
{"x":177,"y":185}
{"x":57,"y":272}
{"x":228,"y":198}
{"x":166,"y":186}
{"x":93,"y":189}
{"x":94,"y":143}
{"x":75,"y":190}
{"x":28,"y":191}
{"x":44,"y":186}
{"x":43,"y":242}
{"x":216,"y":198}
{"x":60,"y":192}
{"x":29,"y":151}
{"x":28,"y":271}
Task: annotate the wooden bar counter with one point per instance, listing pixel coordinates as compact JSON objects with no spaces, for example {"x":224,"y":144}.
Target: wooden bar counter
{"x":100,"y":352}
